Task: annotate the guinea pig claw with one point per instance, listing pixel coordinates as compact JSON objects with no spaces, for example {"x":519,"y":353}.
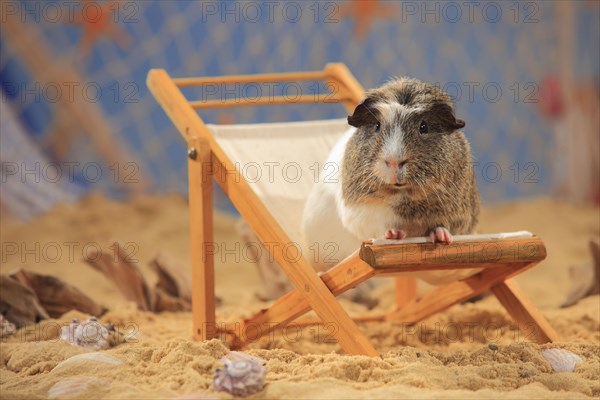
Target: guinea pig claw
{"x":395,"y":234}
{"x":440,"y":235}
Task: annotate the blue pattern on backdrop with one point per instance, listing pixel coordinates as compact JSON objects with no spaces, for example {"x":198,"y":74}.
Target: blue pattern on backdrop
{"x":186,"y":39}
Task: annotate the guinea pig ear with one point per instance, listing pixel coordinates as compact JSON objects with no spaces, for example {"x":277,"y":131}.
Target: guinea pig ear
{"x":363,"y":114}
{"x":459,"y":123}
{"x":445,"y":114}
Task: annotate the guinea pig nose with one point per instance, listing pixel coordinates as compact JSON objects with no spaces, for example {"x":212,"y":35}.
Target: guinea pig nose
{"x":391,"y":163}
{"x":394,"y":163}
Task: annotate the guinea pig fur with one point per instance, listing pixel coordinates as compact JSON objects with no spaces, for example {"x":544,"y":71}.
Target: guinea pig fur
{"x":404,"y":170}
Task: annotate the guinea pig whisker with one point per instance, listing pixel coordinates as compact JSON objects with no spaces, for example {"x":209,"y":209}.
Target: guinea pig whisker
{"x":422,"y":187}
{"x":437,"y":194}
{"x":366,"y":186}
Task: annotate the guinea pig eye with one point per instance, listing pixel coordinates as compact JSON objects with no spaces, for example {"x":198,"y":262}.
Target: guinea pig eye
{"x":423,"y":128}
{"x":377,"y":126}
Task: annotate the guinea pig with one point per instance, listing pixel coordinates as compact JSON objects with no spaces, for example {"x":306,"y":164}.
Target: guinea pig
{"x":403,"y":169}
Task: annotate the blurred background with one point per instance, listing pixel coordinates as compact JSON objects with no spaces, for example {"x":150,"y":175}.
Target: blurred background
{"x":77,"y":117}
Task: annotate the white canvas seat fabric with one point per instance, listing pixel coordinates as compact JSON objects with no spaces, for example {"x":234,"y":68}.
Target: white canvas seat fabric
{"x":282,"y":162}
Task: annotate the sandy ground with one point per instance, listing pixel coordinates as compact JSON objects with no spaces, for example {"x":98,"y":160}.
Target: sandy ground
{"x":446,"y":356}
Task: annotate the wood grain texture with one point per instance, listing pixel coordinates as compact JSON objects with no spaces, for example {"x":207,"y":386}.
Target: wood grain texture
{"x":464,"y":254}
{"x":201,"y":240}
{"x":442,"y":297}
{"x":346,"y":275}
{"x":271,"y":100}
{"x":528,"y":318}
{"x":406,"y":290}
{"x":252,"y":78}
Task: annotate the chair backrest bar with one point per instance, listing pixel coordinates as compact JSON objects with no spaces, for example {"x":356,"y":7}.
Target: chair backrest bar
{"x":258,"y":78}
{"x":323,"y":98}
{"x":347,"y":90}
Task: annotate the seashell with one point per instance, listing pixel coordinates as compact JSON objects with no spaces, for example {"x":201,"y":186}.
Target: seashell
{"x":561,"y":360}
{"x":90,"y":357}
{"x":242,"y":374}
{"x":90,"y":334}
{"x":7,"y":328}
{"x":72,"y":387}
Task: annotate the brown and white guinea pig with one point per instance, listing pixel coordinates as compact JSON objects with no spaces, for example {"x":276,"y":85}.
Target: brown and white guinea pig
{"x":404,"y":170}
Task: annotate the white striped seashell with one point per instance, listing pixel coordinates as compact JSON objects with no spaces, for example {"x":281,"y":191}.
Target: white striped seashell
{"x":72,"y":387}
{"x":561,"y":360}
{"x":90,"y":357}
{"x":242,"y":374}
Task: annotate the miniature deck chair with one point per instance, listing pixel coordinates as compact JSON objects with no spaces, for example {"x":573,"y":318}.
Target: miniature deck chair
{"x":274,"y":211}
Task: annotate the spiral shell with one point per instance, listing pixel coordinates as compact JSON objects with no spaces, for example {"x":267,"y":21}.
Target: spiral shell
{"x":90,"y":334}
{"x":561,"y":360}
{"x":242,"y":374}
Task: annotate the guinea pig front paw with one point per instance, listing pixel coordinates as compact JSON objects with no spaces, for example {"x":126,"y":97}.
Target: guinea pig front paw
{"x":396,"y":234}
{"x":440,"y":235}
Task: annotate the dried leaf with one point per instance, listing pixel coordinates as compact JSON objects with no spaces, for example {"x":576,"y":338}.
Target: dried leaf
{"x":19,"y":304}
{"x":56,"y":296}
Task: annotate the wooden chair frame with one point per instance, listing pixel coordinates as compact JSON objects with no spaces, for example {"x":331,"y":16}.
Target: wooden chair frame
{"x":207,"y":160}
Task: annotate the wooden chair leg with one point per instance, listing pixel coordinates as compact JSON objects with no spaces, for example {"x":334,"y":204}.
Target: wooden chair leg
{"x":442,"y":297}
{"x":347,"y":274}
{"x":528,"y":318}
{"x":299,"y":271}
{"x":406,"y":290}
{"x":201,"y":236}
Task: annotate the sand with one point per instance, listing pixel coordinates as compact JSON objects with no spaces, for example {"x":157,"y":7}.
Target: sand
{"x":447,"y":356}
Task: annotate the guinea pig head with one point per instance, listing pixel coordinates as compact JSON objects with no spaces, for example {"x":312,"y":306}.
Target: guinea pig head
{"x":406,"y":138}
